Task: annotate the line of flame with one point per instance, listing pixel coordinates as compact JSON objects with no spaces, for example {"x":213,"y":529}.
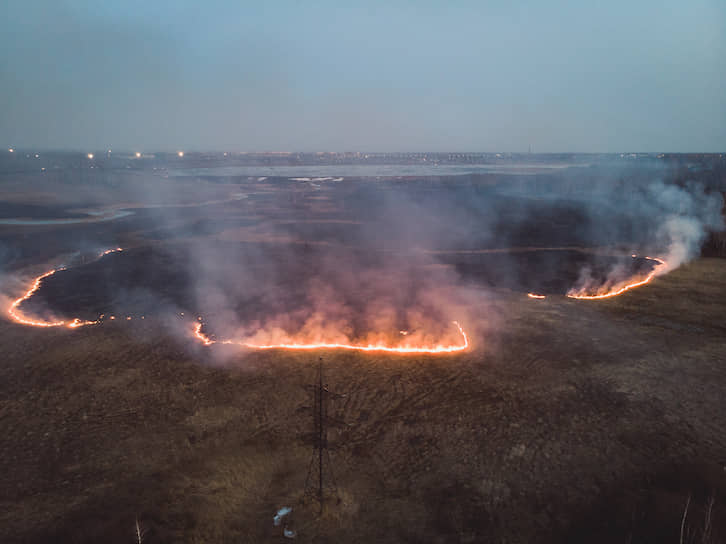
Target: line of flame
{"x":618,"y":291}
{"x":207,"y":341}
{"x":533,"y":295}
{"x":17,"y":316}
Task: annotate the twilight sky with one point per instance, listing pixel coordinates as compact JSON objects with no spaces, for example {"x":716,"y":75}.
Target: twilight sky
{"x":394,"y":75}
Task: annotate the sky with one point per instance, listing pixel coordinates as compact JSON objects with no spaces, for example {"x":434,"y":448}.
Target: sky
{"x":580,"y":76}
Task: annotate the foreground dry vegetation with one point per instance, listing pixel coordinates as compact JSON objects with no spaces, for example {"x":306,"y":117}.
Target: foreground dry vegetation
{"x":569,"y":420}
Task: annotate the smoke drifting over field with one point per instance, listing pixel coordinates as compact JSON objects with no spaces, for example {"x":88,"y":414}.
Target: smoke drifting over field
{"x":688,"y":213}
{"x":376,"y":262}
{"x":389,"y":275}
{"x":328,"y":294}
{"x":664,"y":220}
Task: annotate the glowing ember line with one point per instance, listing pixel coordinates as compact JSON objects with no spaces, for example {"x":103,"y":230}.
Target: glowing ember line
{"x":620,"y":290}
{"x":207,"y":341}
{"x":203,"y":338}
{"x":17,"y":316}
{"x":532,"y":295}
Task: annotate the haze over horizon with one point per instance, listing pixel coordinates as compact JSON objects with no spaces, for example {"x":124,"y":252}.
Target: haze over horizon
{"x":395,"y":76}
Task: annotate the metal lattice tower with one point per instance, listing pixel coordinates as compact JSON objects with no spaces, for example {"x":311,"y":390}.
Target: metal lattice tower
{"x":320,"y":473}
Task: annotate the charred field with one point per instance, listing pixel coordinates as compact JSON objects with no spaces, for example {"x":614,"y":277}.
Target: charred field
{"x":156,"y":281}
{"x":566,"y":420}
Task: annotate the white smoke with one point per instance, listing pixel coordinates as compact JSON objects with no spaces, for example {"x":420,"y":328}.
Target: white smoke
{"x":686,"y":215}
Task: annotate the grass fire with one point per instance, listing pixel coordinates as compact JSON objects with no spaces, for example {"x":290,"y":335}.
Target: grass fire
{"x":543,"y":346}
{"x":374,"y":272}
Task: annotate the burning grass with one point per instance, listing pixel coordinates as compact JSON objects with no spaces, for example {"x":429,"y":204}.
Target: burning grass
{"x":148,"y":267}
{"x":411,"y":345}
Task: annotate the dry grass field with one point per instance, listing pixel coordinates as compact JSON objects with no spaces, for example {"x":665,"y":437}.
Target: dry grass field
{"x":566,"y":416}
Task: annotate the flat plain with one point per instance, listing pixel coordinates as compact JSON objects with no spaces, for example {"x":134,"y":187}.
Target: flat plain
{"x":567,"y":420}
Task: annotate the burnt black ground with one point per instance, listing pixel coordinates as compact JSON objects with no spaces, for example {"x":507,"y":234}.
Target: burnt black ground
{"x":150,"y":280}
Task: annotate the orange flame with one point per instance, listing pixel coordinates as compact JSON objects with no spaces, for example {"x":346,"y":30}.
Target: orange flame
{"x":17,"y":316}
{"x":532,"y":295}
{"x":621,"y":288}
{"x":438,"y":349}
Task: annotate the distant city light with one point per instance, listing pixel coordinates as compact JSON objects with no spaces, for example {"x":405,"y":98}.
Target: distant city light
{"x":36,"y":155}
{"x":180,"y":153}
{"x":11,"y":150}
{"x":138,"y":155}
{"x":90,"y":155}
{"x":109,"y":151}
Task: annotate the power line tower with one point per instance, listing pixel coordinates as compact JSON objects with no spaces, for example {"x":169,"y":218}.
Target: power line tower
{"x":320,"y":473}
